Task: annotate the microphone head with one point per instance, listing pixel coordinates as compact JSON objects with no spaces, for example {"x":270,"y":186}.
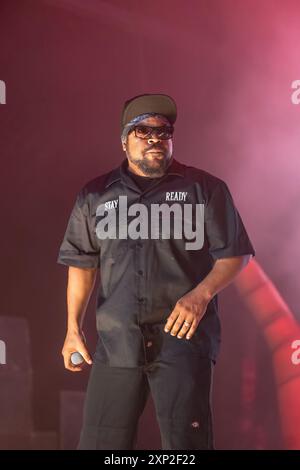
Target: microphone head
{"x":76,"y":358}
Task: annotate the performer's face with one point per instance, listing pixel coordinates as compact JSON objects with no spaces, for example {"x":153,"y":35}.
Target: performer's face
{"x":140,"y":152}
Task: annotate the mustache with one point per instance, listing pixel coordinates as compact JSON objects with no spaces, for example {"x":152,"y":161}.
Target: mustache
{"x":155,"y":147}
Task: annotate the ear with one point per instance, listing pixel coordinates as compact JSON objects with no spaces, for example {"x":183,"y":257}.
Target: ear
{"x":124,"y":147}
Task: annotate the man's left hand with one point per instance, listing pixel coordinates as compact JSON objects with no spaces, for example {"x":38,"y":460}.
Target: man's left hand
{"x":186,"y":315}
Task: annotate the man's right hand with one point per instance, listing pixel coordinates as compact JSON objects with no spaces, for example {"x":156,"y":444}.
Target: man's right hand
{"x":75,"y":342}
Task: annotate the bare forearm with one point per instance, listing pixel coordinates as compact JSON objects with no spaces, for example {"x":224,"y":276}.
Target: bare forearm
{"x":190,"y":309}
{"x":221,"y":275}
{"x":81,"y":282}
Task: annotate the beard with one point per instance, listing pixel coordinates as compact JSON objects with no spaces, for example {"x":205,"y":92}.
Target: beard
{"x":154,"y":167}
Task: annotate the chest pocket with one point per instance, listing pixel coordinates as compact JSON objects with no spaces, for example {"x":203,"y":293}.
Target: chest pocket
{"x":113,"y":253}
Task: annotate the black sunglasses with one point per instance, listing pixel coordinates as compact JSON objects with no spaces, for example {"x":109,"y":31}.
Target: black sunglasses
{"x":145,"y":132}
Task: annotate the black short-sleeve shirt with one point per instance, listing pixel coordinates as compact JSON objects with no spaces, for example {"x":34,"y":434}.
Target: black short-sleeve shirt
{"x":142,"y":278}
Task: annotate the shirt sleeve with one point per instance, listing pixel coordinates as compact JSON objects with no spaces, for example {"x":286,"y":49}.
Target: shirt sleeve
{"x":226,"y":233}
{"x":79,"y":247}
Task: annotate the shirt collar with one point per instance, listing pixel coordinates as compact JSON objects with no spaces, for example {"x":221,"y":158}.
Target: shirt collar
{"x":119,"y":173}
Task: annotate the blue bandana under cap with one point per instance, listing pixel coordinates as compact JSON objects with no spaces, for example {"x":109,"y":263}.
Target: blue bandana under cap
{"x":133,"y":122}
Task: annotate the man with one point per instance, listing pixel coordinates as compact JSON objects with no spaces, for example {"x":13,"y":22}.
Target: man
{"x":157,"y":308}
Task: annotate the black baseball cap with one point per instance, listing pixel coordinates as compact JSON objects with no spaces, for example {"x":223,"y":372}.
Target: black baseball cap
{"x":149,"y":103}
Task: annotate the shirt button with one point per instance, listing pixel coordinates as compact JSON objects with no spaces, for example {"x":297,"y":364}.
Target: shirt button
{"x":149,"y":344}
{"x":140,"y":272}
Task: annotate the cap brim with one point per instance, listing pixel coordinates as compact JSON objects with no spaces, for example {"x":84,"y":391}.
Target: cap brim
{"x":159,"y":104}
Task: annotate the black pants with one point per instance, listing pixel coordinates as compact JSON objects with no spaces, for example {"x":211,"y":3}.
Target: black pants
{"x":116,"y":397}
